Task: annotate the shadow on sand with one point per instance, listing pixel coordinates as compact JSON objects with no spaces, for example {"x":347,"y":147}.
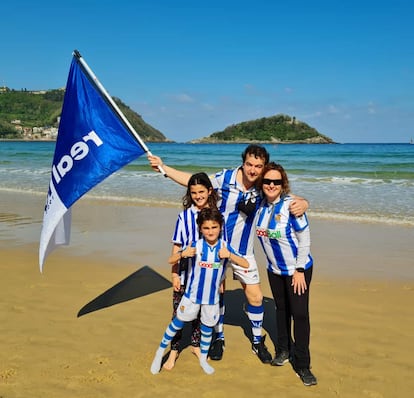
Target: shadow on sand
{"x":146,"y":281}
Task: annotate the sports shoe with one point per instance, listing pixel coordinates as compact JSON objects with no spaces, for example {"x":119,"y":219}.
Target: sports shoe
{"x":281,"y":358}
{"x":261,"y":351}
{"x":216,"y":350}
{"x":306,"y":376}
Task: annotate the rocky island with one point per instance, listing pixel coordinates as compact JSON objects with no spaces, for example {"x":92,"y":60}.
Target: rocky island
{"x":278,"y":129}
{"x":35,"y":115}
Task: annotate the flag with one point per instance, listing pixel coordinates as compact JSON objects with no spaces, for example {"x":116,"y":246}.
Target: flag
{"x":94,"y":140}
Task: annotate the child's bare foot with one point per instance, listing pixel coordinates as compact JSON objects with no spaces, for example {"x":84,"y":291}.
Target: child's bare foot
{"x":170,"y":362}
{"x":196,"y":351}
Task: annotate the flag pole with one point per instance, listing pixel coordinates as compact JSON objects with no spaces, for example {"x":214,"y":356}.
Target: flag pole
{"x":103,"y":91}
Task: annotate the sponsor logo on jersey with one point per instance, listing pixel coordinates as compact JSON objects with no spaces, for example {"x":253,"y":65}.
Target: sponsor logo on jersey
{"x":267,"y":233}
{"x":205,"y":264}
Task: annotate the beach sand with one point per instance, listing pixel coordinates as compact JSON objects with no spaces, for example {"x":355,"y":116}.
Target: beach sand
{"x":362,"y":313}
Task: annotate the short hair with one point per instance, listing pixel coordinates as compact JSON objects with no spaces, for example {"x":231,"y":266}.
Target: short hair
{"x":258,"y":151}
{"x":209,"y":214}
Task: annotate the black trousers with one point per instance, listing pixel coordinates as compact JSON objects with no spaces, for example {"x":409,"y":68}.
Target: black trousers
{"x":292,"y":307}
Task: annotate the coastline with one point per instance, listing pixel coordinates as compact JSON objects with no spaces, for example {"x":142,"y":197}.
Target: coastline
{"x":361,"y":318}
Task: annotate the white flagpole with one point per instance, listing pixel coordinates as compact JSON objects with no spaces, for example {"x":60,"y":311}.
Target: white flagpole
{"x":101,"y":88}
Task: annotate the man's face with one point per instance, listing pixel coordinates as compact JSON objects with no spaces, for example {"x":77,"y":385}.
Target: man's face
{"x":252,"y":168}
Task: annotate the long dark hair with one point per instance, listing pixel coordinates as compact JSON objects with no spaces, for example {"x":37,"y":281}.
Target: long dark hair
{"x":200,"y":179}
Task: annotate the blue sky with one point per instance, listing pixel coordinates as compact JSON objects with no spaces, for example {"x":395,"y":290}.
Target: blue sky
{"x":191,"y":68}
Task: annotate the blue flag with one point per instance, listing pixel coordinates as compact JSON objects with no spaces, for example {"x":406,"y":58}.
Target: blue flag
{"x":92,"y":143}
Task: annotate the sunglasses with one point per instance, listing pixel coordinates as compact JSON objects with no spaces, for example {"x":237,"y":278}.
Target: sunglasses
{"x":268,"y":181}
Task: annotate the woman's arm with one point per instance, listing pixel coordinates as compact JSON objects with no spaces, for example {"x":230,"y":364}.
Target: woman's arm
{"x":298,"y":279}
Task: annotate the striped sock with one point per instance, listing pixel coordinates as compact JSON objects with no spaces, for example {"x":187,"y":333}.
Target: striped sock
{"x":206,"y":334}
{"x":255,"y":314}
{"x":169,"y":333}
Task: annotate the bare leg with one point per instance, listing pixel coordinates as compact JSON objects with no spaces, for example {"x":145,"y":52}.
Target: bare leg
{"x":170,"y":362}
{"x":196,"y":351}
{"x":169,"y":333}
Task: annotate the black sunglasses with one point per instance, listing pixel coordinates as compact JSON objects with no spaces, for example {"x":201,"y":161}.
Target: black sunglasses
{"x":268,"y":181}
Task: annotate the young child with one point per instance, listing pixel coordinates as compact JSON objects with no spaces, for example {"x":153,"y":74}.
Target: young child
{"x":209,"y":258}
{"x":199,"y":194}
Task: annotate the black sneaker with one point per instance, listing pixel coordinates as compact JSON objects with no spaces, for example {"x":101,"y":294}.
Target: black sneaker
{"x":281,"y":358}
{"x":216,"y":350}
{"x":261,"y":351}
{"x":307,"y":377}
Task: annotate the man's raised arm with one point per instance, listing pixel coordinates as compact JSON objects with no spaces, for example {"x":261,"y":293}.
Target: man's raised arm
{"x":180,"y":177}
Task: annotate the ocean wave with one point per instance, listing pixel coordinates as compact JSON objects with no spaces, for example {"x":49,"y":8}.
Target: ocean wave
{"x":402,"y":221}
{"x":353,"y":180}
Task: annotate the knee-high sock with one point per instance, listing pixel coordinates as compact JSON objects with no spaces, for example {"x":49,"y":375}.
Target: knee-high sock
{"x":255,"y":314}
{"x":219,"y":327}
{"x":206,"y":334}
{"x":172,"y":329}
{"x":169,"y":333}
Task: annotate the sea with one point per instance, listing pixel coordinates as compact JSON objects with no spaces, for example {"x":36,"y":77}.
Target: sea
{"x":371,"y":183}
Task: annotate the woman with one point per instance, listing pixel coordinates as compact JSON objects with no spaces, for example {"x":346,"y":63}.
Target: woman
{"x":286,"y":242}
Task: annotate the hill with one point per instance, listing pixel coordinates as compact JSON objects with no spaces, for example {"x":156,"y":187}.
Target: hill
{"x":34,"y":114}
{"x":275,"y":129}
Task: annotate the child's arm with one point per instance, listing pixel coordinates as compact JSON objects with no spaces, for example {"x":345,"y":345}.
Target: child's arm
{"x":175,"y":269}
{"x":187,"y":252}
{"x":234,"y":258}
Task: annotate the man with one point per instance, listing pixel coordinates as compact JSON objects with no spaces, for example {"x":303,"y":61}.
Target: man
{"x":239,"y":200}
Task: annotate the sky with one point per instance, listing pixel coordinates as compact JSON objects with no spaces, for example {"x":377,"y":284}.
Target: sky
{"x":191,"y":68}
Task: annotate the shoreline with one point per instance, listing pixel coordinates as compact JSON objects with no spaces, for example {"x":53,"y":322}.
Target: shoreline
{"x":127,"y":232}
{"x":315,"y":215}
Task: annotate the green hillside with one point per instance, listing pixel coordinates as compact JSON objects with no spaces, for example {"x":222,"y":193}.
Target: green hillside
{"x":275,"y":129}
{"x":21,"y":111}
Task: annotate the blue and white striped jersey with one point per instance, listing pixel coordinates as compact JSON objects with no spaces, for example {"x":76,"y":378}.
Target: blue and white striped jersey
{"x":206,"y":272}
{"x":186,"y":232}
{"x":285,"y":238}
{"x":239,"y":225}
{"x":186,"y":229}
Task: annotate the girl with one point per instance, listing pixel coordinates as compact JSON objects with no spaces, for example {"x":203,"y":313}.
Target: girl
{"x":199,"y":194}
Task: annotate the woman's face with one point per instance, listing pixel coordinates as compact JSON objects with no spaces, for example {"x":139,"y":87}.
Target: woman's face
{"x":199,"y":195}
{"x":272,"y":185}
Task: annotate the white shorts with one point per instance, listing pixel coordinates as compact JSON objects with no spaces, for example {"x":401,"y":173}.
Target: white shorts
{"x":248,"y":276}
{"x":188,"y":311}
